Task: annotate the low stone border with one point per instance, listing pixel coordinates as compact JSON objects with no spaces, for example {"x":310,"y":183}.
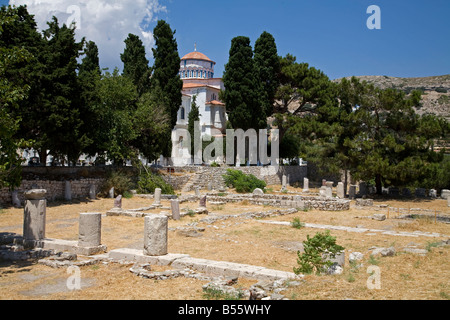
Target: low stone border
{"x":208,"y":267}
{"x":362,"y":230}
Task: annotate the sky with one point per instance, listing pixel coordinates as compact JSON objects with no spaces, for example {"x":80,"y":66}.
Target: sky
{"x":330,"y":35}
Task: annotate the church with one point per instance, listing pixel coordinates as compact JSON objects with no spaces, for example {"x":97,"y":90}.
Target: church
{"x":197,"y":73}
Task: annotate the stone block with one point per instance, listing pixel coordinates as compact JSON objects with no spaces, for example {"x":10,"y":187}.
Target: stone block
{"x":258,"y":192}
{"x":157,"y":197}
{"x":90,"y":229}
{"x":156,"y":235}
{"x":68,"y":191}
{"x":420,"y":192}
{"x":175,"y":206}
{"x":305,"y":185}
{"x":445,"y":194}
{"x":432,"y":193}
{"x":34,"y":215}
{"x":340,"y":192}
{"x":352,"y":192}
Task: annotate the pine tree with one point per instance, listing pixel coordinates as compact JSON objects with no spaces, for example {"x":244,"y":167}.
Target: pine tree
{"x":268,"y":67}
{"x":390,"y":143}
{"x":242,"y":93}
{"x":135,"y":63}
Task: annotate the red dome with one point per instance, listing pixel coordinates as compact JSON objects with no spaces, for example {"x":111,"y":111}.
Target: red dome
{"x":196,"y":56}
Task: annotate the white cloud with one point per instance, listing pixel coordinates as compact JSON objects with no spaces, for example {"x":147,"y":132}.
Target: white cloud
{"x":107,"y":23}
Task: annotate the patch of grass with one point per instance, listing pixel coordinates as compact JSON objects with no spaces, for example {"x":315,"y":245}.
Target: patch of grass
{"x":372,"y":260}
{"x":406,"y":276}
{"x":444,"y":100}
{"x":191,"y":213}
{"x":444,"y":295}
{"x":350,"y":277}
{"x":216,"y":294}
{"x":297,"y":224}
{"x":127,"y":195}
{"x":430,"y":245}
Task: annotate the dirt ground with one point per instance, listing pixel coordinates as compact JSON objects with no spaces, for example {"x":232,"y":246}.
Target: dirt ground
{"x":404,"y":276}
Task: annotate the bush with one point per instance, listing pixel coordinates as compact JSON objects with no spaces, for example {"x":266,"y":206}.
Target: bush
{"x":119,"y":180}
{"x":241,"y":182}
{"x":149,"y":181}
{"x":316,"y":248}
{"x":297,"y":224}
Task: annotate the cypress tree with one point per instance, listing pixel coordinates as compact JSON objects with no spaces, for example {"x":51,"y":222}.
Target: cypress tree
{"x":194,"y":115}
{"x":166,"y":68}
{"x":135,"y":64}
{"x":267,"y":64}
{"x":242,"y":93}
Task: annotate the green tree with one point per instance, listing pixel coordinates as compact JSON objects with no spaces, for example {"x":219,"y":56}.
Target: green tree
{"x":166,"y":68}
{"x":116,"y":111}
{"x":151,"y":125}
{"x":12,"y":91}
{"x":389,"y":143}
{"x":19,"y":30}
{"x":60,"y":120}
{"x":90,"y":63}
{"x":242,"y":93}
{"x":194,"y":116}
{"x":136,"y":64}
{"x":316,"y":250}
{"x":88,"y":79}
{"x":268,"y":67}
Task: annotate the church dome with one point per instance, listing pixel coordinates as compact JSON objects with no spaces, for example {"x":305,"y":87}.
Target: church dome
{"x":196,"y":65}
{"x":196,"y":56}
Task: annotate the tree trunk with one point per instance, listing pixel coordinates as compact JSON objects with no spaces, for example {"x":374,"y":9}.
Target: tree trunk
{"x":378,"y":184}
{"x":43,"y":156}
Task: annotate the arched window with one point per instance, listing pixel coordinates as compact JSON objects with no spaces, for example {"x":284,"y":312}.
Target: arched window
{"x":183,"y":114}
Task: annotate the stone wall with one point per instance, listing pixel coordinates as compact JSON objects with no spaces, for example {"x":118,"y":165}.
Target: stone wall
{"x":299,"y":202}
{"x":212,"y":177}
{"x":55,"y":189}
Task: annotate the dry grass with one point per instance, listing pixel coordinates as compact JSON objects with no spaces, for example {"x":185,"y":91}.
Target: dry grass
{"x":404,"y":276}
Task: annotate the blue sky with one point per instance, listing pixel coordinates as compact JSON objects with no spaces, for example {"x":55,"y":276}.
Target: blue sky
{"x":330,"y":35}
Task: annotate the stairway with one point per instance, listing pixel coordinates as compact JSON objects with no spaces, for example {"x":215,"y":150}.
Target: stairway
{"x":194,"y":180}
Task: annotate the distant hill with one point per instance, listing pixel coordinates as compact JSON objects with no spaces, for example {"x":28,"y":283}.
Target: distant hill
{"x":436,"y":89}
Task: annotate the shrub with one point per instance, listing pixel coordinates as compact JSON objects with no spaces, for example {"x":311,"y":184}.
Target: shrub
{"x":316,"y":248}
{"x":297,"y":224}
{"x":241,"y":182}
{"x":119,"y":180}
{"x":149,"y":181}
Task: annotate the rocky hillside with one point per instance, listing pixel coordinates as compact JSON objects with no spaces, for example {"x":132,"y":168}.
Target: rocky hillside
{"x":436,"y":97}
